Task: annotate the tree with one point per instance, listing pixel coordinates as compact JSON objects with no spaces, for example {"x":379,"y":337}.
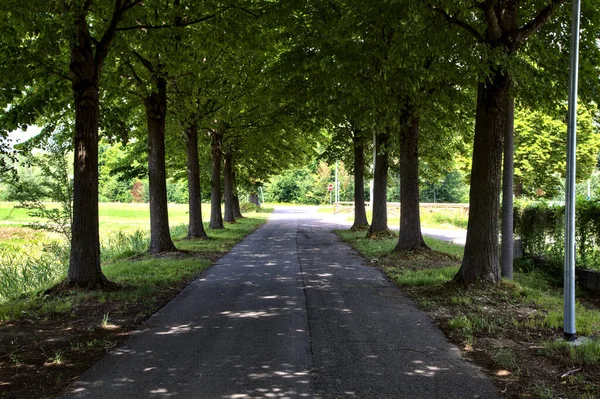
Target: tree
{"x":89,"y":45}
{"x":216,"y":216}
{"x":500,"y":29}
{"x":379,"y":200}
{"x":410,"y":236}
{"x":539,"y":168}
{"x":195,"y":226}
{"x":360,"y":214}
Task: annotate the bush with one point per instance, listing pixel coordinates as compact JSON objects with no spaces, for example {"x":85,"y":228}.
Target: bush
{"x":542,"y":231}
{"x":246,"y":207}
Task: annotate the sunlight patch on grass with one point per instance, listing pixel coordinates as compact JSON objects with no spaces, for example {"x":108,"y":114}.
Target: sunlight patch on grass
{"x":423,"y":277}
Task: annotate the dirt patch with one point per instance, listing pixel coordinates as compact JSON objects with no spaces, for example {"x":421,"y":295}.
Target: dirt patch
{"x":417,"y":260}
{"x":23,"y":233}
{"x":40,"y":357}
{"x":507,"y":339}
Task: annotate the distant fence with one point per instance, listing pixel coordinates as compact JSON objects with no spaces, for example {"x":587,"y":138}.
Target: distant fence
{"x":394,"y":207}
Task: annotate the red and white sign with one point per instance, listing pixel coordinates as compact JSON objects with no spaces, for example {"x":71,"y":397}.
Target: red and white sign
{"x":330,"y":187}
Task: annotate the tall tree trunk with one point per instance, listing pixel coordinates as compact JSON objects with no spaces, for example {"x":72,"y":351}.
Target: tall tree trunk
{"x":410,"y":236}
{"x":379,"y":222}
{"x":84,"y":262}
{"x":360,"y":214}
{"x":195,"y":227}
{"x":156,"y":111}
{"x":507,"y":193}
{"x":216,"y":217}
{"x":237,"y":211}
{"x":480,"y":260}
{"x":228,"y":188}
{"x":85,"y":71}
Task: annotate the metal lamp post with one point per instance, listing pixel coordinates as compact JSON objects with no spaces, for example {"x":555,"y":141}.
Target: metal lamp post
{"x":569,"y":269}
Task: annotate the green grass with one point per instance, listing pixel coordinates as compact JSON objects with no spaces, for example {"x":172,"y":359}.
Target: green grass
{"x":444,"y":218}
{"x":431,"y":218}
{"x":375,"y":248}
{"x":33,"y":261}
{"x":112,"y":215}
{"x":424,"y":277}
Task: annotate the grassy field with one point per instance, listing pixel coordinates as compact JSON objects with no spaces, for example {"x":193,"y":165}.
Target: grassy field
{"x":33,"y":260}
{"x":513,"y":330}
{"x":112,"y":215}
{"x":437,"y":218}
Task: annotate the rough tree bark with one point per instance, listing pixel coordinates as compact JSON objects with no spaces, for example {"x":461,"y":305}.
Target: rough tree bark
{"x":360,"y":213}
{"x":156,"y":112}
{"x":505,"y":36}
{"x":480,"y":259}
{"x":195,"y":227}
{"x":379,"y":221}
{"x":87,"y":59}
{"x":84,"y":263}
{"x":237,"y":211}
{"x":410,"y":236}
{"x":229,"y":216}
{"x":216,"y":217}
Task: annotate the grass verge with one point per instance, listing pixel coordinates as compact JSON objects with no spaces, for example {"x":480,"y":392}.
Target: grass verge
{"x":512,"y":330}
{"x":48,"y":337}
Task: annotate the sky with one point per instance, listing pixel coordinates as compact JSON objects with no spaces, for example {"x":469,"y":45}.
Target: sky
{"x":18,"y":136}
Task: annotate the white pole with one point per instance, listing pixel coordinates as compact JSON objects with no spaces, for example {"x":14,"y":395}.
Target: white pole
{"x":374,"y":158}
{"x":337,"y":194}
{"x":569,"y":276}
{"x":589,"y":189}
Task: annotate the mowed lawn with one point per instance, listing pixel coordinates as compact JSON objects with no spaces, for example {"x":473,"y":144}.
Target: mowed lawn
{"x":112,"y":215}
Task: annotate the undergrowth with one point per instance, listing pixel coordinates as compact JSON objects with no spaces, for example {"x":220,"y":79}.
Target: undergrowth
{"x":28,"y":271}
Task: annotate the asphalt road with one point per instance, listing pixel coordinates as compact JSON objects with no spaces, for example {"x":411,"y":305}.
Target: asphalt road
{"x":291,"y":312}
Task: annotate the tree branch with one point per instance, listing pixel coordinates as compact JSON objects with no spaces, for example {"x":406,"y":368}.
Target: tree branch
{"x":118,"y":11}
{"x":52,"y":71}
{"x":494,"y":29}
{"x":135,"y":75}
{"x":133,"y":93}
{"x":543,"y":16}
{"x":249,"y":12}
{"x":146,"y":63}
{"x":86,"y":6}
{"x":462,"y":24}
{"x":335,"y":8}
{"x":179,"y":25}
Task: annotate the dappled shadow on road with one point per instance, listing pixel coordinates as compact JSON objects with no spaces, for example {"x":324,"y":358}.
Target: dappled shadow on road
{"x":369,"y":340}
{"x":289,"y":313}
{"x":239,"y":331}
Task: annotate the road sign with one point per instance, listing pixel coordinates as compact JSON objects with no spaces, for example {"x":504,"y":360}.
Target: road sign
{"x":330,"y":187}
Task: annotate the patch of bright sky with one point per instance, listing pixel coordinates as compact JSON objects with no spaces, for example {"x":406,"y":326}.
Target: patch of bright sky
{"x":19,"y":136}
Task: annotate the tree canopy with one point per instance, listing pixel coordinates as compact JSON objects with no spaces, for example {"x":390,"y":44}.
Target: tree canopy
{"x":268,"y":86}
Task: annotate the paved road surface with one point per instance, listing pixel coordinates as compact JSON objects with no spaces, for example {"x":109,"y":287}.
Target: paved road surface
{"x":291,"y":312}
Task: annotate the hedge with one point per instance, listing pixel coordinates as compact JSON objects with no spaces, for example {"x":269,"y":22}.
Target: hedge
{"x":542,"y":231}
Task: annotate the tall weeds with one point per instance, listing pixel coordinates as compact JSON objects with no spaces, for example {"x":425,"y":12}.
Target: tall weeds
{"x":31,"y":268}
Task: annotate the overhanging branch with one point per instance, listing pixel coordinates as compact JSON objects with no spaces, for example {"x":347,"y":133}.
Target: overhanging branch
{"x":462,"y":24}
{"x":178,"y":25}
{"x":532,"y":26}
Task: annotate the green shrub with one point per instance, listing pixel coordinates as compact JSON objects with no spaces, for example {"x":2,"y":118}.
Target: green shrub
{"x":247,"y":207}
{"x":542,"y":231}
